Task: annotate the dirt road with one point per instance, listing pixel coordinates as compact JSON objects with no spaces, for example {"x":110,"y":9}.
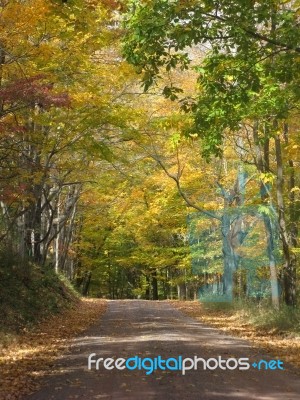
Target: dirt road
{"x":150,"y":329}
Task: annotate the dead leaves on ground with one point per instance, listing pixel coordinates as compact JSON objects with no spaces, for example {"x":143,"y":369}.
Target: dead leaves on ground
{"x":32,"y":354}
{"x":285,"y":348}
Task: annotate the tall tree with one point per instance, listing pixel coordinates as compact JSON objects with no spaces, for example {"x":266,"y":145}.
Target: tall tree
{"x":249,"y":73}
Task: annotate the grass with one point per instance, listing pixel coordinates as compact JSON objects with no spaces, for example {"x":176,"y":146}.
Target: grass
{"x":28,"y":294}
{"x":285,"y":320}
{"x":261,"y":315}
{"x":40,"y":312}
{"x":275,"y":331}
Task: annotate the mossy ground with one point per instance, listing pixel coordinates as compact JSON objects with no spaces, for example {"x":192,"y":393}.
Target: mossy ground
{"x":28,"y":295}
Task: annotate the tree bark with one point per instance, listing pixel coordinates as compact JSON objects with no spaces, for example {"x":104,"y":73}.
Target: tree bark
{"x":262,"y":164}
{"x":289,"y":267}
{"x":154,"y":285}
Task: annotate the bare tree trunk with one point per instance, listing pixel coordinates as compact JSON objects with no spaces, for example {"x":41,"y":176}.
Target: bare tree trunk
{"x":154,"y":285}
{"x":289,"y":268}
{"x":147,"y":293}
{"x":262,"y":164}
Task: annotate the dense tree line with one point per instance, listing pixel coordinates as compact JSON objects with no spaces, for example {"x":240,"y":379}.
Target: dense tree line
{"x":247,"y":89}
{"x":188,"y":184}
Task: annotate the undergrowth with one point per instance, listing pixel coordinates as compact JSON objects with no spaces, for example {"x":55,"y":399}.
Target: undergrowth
{"x":28,"y":294}
{"x":261,"y":314}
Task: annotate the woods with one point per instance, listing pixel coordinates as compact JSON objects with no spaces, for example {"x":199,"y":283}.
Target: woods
{"x":150,"y":149}
{"x":246,"y":89}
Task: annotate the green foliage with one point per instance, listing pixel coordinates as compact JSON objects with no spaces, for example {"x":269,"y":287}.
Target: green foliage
{"x":97,"y":176}
{"x":28,"y":293}
{"x":263,"y":316}
{"x":251,"y":69}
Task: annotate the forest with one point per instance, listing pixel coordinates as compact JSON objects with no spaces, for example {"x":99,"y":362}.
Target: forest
{"x":149,"y":150}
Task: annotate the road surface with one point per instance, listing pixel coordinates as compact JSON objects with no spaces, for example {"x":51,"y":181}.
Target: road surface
{"x":149,"y":329}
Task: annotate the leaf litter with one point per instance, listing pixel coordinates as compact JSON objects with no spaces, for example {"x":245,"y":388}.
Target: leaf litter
{"x":32,"y":354}
{"x":281,"y":345}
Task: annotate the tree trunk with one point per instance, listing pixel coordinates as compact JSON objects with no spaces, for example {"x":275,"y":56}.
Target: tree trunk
{"x":181,"y":291}
{"x":289,"y":267}
{"x":86,"y":283}
{"x":262,"y":164}
{"x":154,"y":285}
{"x":147,"y":292}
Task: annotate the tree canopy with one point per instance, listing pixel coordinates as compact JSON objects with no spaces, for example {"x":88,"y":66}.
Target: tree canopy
{"x":151,"y":148}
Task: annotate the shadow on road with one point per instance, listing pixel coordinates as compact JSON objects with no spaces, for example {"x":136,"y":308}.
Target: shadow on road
{"x":151,"y":329}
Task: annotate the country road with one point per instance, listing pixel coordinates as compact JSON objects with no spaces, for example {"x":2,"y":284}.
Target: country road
{"x":151,"y":329}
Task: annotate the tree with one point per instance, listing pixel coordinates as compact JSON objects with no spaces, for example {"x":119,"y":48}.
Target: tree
{"x":249,"y":75}
{"x":61,"y":110}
